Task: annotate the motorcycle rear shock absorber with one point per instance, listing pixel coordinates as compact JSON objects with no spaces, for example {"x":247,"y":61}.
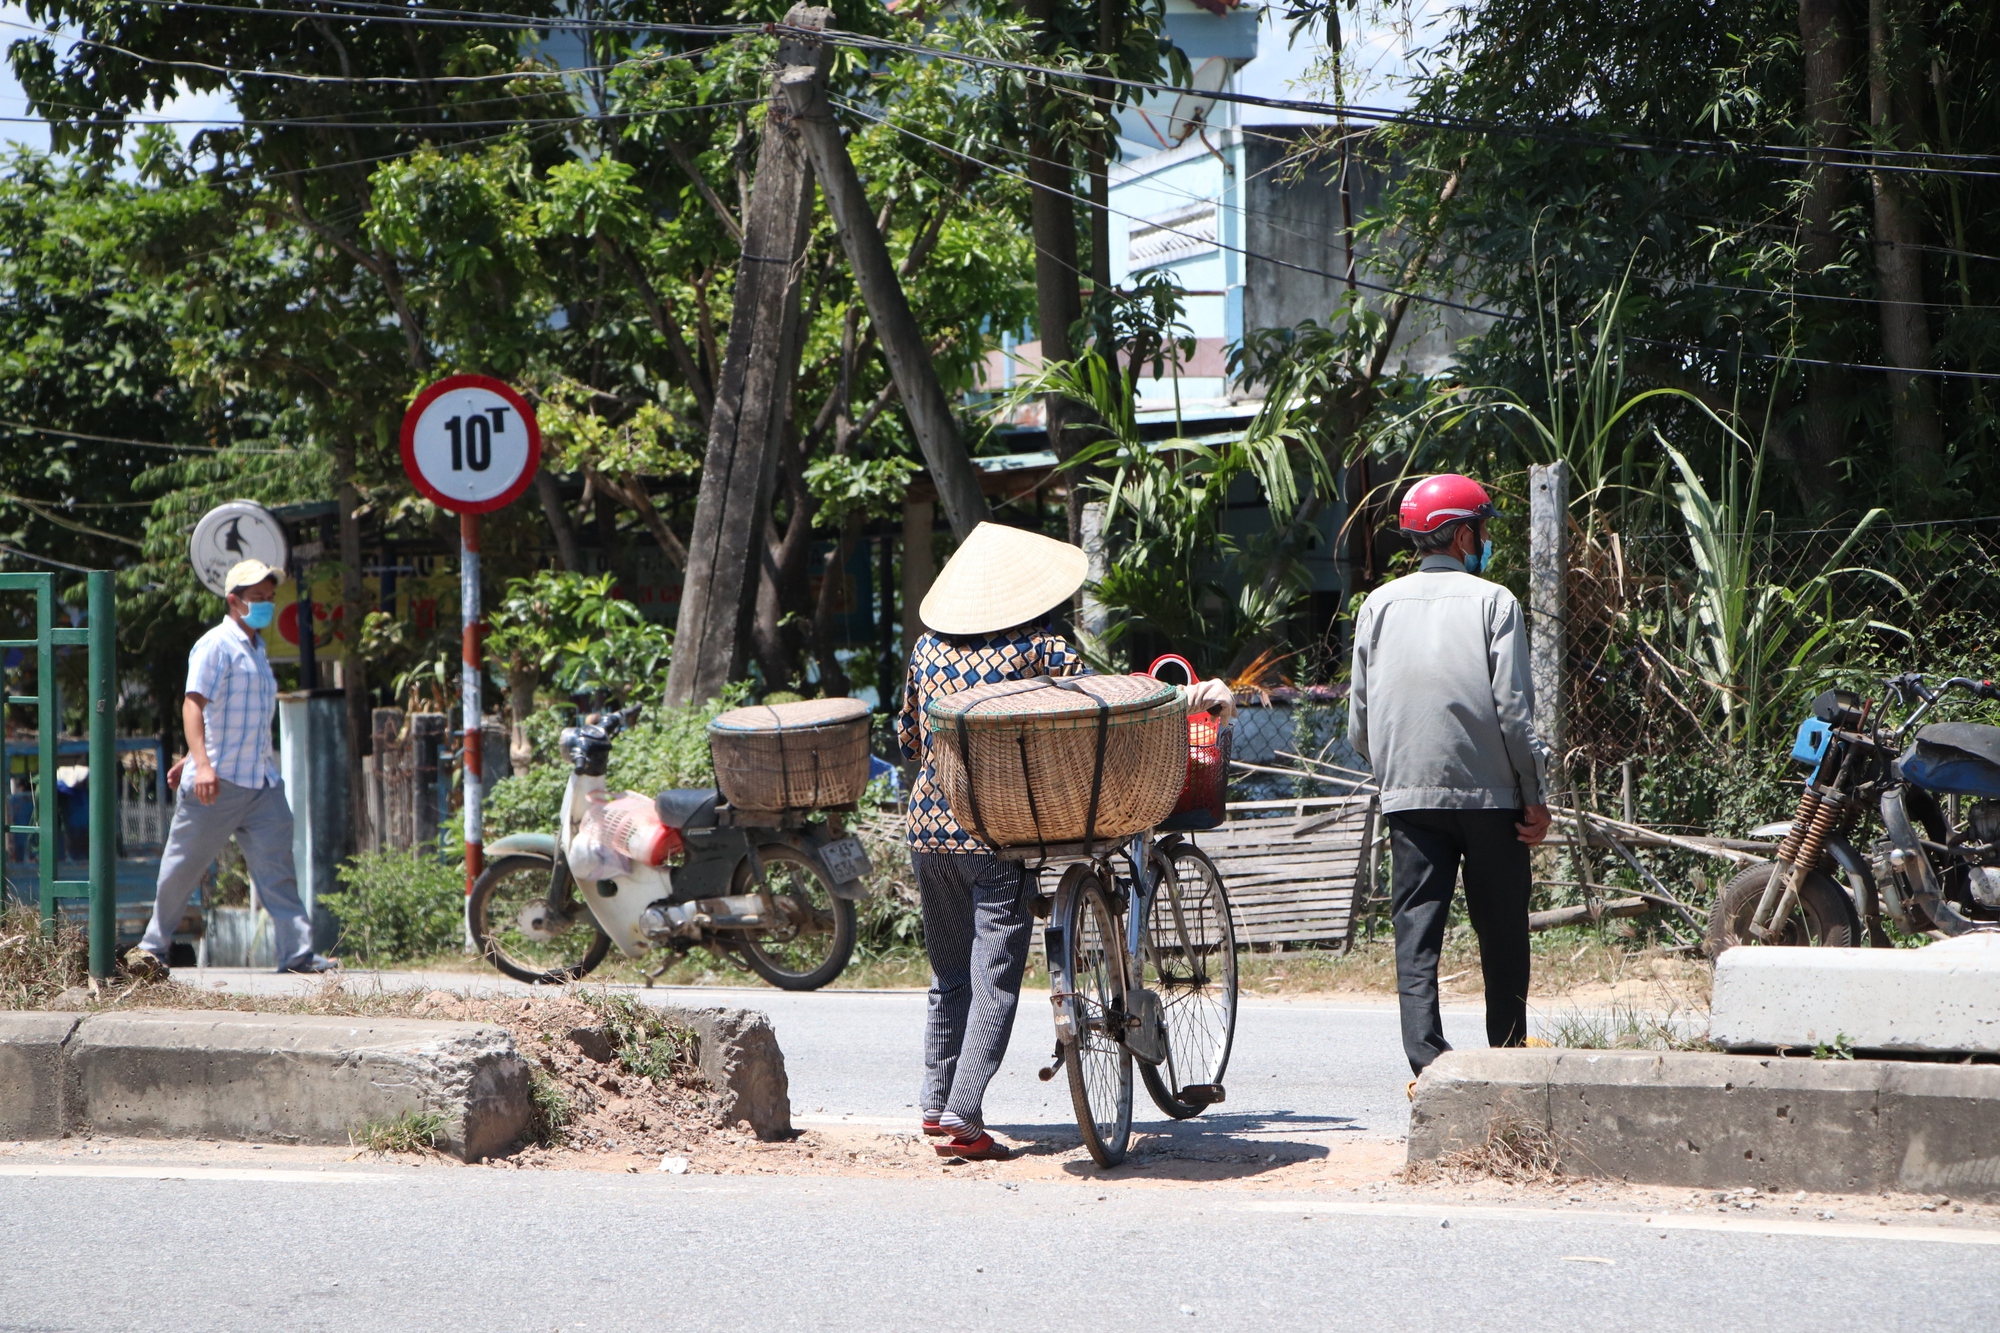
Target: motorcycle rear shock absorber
{"x":1788,"y":850}
{"x":1820,"y":808}
{"x":1824,"y":821}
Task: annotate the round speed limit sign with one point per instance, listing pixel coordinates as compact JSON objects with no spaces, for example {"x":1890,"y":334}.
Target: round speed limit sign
{"x":471,"y":444}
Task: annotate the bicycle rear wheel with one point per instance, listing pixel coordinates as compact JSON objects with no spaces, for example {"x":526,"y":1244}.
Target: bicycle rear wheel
{"x":1093,"y":974}
{"x":1190,"y":962}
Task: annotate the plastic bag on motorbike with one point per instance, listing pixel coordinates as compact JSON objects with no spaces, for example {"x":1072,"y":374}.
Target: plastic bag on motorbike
{"x":615,"y":830}
{"x":592,"y":853}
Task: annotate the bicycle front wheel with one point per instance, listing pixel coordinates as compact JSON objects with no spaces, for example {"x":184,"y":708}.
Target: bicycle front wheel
{"x":1190,"y":962}
{"x":1093,"y":976}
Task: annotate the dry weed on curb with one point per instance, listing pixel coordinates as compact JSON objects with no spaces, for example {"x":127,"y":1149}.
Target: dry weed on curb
{"x":1516,"y":1152}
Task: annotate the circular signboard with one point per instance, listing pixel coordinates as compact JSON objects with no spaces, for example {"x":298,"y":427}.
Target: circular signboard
{"x":471,"y":444}
{"x":239,"y":530}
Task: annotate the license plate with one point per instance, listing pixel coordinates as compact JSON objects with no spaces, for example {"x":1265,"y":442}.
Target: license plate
{"x":845,"y":860}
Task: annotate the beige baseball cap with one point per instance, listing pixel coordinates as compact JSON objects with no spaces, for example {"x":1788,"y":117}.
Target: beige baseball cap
{"x":1002,"y":577}
{"x":250,"y":573}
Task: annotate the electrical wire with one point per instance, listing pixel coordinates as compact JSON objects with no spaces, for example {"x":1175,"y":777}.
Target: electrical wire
{"x":1864,"y":159}
{"x":1489,"y":312}
{"x":44,"y":559}
{"x":26,"y":427}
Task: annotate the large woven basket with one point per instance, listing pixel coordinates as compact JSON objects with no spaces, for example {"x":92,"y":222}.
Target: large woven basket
{"x":798,"y":756}
{"x":1023,"y":762}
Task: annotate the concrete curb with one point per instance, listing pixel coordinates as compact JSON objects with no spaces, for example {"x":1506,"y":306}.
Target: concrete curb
{"x":276,"y":1078}
{"x":739,"y":1056}
{"x":228,"y":1074}
{"x":1726,"y":1121}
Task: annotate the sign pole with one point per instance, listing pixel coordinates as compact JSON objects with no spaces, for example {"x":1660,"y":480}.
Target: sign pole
{"x":471,"y":708}
{"x":471,"y":445}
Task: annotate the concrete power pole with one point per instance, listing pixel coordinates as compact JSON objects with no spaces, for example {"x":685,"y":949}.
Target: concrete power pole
{"x":1548,"y":568}
{"x":752,"y":397}
{"x":902,"y":342}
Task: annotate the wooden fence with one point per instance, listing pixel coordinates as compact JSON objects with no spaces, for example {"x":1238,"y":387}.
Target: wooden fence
{"x":411,"y":791}
{"x":1293,"y":868}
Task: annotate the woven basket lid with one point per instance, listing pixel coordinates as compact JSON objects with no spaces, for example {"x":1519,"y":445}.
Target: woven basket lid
{"x":792,"y":716}
{"x":1078,"y":702}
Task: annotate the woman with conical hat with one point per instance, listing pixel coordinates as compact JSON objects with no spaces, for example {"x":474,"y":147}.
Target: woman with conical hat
{"x":986,"y":619}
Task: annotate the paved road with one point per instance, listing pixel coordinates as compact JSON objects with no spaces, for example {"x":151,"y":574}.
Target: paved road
{"x":496,"y":1252}
{"x":1310,"y":1068}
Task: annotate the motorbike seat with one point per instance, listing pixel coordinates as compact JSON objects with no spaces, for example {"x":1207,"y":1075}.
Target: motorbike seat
{"x":1957,"y":757}
{"x":687,"y":807}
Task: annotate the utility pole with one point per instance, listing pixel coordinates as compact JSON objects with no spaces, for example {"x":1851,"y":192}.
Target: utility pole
{"x":903,"y":345}
{"x":1548,"y":567}
{"x":752,"y":396}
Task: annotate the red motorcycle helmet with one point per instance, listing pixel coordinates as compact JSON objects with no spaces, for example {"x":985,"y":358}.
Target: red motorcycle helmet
{"x":1445,"y":498}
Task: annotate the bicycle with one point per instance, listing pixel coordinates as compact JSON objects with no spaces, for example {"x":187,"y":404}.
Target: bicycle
{"x":1142,"y":967}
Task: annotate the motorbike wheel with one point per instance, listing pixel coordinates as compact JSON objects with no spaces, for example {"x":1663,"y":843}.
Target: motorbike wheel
{"x":509,"y":886}
{"x":1823,"y":915}
{"x":817,"y":937}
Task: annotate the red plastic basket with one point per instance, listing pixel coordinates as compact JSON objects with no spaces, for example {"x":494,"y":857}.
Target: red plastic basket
{"x":1205,"y":795}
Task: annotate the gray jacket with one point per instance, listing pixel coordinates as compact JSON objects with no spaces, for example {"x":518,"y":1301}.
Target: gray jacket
{"x":1441,"y":704}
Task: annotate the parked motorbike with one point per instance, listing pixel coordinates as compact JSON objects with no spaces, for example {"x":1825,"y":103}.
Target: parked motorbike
{"x":1935,"y":869}
{"x":775,"y":893}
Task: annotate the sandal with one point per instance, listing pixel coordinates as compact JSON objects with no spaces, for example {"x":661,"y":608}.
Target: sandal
{"x":982,"y":1148}
{"x":932,"y":1129}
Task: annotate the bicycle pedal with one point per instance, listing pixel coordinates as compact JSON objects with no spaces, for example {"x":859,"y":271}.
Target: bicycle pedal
{"x":1203,"y":1094}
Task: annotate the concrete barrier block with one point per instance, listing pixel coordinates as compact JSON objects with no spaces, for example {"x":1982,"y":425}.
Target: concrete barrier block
{"x":1941,"y":1123}
{"x":1941,"y":998}
{"x":739,"y":1056}
{"x":35,"y":1100}
{"x":1727,"y":1121}
{"x":1459,"y":1101}
{"x":297,"y":1079}
{"x":1716,"y":1121}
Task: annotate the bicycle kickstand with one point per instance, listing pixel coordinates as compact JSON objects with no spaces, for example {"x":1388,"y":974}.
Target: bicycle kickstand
{"x":1055,"y":1063}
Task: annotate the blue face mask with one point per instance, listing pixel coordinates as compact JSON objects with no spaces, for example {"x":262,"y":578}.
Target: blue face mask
{"x":1481,"y":558}
{"x":258,"y":614}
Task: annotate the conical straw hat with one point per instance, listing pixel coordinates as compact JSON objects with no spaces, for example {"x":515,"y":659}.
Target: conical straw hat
{"x":1002,"y":577}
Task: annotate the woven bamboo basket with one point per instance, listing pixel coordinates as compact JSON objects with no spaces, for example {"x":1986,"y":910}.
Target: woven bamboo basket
{"x":1019,"y":761}
{"x":798,"y":756}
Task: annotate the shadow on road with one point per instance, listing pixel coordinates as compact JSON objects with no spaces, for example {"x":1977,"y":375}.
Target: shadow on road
{"x":1210,"y":1147}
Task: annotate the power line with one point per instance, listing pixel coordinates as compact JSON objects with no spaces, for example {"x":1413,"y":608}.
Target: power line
{"x":30,"y":428}
{"x":1501,"y":315}
{"x":1865,"y":159}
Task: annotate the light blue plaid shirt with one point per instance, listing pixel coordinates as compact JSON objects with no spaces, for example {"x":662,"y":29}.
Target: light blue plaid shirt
{"x":228,"y":668}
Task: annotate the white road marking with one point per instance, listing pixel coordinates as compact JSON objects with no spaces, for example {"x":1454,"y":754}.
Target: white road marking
{"x":108,"y":1172}
{"x":1655,"y":1221}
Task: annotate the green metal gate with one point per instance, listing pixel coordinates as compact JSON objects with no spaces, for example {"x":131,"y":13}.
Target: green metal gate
{"x":99,"y":636}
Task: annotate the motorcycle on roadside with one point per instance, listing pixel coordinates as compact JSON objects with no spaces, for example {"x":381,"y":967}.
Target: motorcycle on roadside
{"x":1934,"y":870}
{"x":772,"y":891}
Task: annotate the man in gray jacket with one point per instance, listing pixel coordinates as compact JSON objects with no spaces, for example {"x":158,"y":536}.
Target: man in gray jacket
{"x":1442,"y":707}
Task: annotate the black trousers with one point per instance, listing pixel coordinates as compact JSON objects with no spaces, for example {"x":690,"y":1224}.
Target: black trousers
{"x":1429,"y":846}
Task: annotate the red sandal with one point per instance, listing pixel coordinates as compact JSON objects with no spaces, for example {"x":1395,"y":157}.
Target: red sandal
{"x":981,"y":1148}
{"x":934,"y":1130}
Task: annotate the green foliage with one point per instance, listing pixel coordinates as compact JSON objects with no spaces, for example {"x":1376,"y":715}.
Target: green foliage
{"x":394,"y":906}
{"x":646,"y":1042}
{"x":410,"y":1132}
{"x":668,"y":747}
{"x":570,"y":629}
{"x":1164,"y":504}
{"x":1748,"y":641}
{"x":550,"y":1111}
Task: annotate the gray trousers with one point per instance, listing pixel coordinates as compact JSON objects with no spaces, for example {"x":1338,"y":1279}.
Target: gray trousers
{"x":261,"y":822}
{"x":977,"y":923}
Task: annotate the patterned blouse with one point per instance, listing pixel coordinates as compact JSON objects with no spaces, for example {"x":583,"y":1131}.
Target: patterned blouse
{"x":941,"y":665}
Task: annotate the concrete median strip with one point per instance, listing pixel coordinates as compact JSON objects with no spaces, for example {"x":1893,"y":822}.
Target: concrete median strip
{"x":1725,"y":1121}
{"x":309,"y":1079}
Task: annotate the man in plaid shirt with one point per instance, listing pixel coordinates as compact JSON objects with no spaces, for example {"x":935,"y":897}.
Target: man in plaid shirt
{"x":232,"y":777}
